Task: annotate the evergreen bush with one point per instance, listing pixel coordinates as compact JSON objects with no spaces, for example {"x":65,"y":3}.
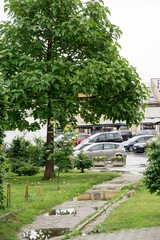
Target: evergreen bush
{"x":24,"y":157}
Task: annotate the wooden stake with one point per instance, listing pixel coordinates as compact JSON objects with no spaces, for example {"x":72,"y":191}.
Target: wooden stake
{"x":8,"y":195}
{"x":26,"y":193}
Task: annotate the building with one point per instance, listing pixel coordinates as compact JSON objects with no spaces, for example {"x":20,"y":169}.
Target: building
{"x":151,"y":120}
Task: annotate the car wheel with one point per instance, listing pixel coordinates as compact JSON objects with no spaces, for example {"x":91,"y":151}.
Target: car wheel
{"x":130,"y":148}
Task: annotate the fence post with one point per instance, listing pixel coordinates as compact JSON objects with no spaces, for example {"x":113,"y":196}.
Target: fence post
{"x":26,"y":193}
{"x":40,"y":189}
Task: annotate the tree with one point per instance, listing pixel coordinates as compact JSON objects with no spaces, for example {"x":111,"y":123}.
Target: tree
{"x":152,"y":172}
{"x":3,"y":108}
{"x":53,"y":50}
{"x":62,"y":156}
{"x":82,"y":161}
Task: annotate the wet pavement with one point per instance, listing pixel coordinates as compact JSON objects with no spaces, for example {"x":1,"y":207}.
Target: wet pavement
{"x":133,"y":170}
{"x":82,"y":209}
{"x":135,"y":163}
{"x":130,"y":234}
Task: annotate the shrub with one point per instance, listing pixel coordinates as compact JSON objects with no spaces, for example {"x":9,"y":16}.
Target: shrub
{"x":82,"y":161}
{"x":39,"y":152}
{"x":28,"y":170}
{"x":23,"y":153}
{"x":2,"y":175}
{"x":152,"y":172}
{"x":99,"y":158}
{"x":19,"y":154}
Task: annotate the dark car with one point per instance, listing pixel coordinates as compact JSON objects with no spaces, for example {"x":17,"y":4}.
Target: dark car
{"x":112,"y":136}
{"x":125,"y":133}
{"x":141,"y":147}
{"x":128,"y":145}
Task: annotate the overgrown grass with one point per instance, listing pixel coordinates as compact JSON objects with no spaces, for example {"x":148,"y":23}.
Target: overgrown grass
{"x":141,"y":210}
{"x":42,"y":196}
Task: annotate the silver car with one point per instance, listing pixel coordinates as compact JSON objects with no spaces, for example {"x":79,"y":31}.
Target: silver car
{"x":108,"y":149}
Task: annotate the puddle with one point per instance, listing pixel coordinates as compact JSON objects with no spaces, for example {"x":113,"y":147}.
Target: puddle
{"x":45,"y":234}
{"x":98,"y":195}
{"x":65,"y":211}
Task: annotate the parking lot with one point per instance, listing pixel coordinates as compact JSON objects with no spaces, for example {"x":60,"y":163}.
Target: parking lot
{"x":135,"y":163}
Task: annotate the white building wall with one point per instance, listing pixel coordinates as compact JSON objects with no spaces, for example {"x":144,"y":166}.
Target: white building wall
{"x":28,"y":135}
{"x":155,"y":87}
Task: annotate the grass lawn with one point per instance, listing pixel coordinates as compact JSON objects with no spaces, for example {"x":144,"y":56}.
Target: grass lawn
{"x":141,"y":210}
{"x":42,"y":195}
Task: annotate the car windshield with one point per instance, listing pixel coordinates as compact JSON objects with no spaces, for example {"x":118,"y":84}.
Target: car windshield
{"x":78,"y":147}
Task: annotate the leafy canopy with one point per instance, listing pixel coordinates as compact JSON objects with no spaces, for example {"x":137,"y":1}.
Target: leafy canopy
{"x":53,"y":50}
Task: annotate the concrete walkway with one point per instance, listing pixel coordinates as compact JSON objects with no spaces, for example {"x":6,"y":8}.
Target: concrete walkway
{"x":133,"y":234}
{"x":83,"y":209}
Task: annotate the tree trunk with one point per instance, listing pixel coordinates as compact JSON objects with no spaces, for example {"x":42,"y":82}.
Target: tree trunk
{"x":49,"y":169}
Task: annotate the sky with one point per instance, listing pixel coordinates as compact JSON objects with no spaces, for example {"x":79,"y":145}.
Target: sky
{"x":139,"y":20}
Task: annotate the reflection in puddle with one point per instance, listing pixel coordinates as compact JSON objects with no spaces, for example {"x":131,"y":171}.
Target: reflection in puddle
{"x":45,"y":234}
{"x":67,"y":211}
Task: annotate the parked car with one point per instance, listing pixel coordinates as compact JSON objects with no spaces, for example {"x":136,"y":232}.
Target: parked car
{"x":80,"y":146}
{"x":141,"y":147}
{"x":128,"y":145}
{"x":147,"y":132}
{"x":125,"y":133}
{"x":108,"y":149}
{"x":81,"y":137}
{"x":66,"y":137}
{"x":112,"y":136}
